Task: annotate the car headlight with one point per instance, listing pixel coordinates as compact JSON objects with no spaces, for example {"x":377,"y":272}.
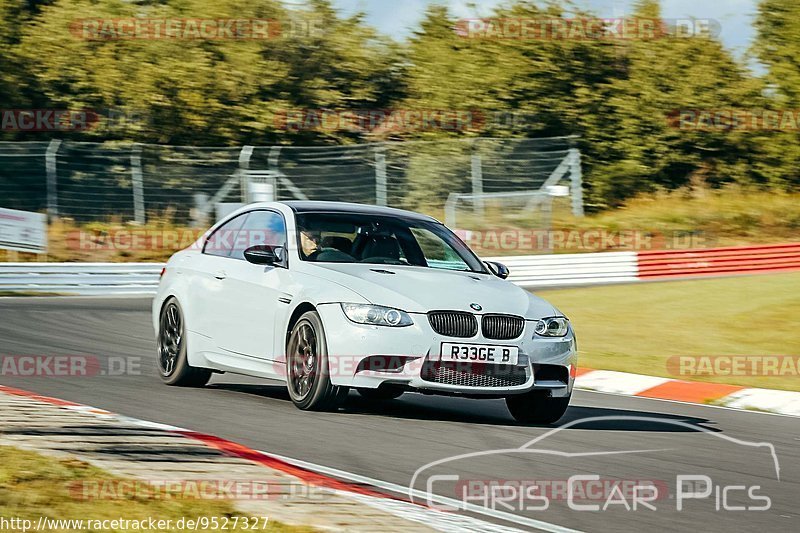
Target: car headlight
{"x":556,"y":326}
{"x":376,"y":315}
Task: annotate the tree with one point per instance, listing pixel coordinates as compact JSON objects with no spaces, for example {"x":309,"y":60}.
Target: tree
{"x":199,"y":91}
{"x":777,"y":46}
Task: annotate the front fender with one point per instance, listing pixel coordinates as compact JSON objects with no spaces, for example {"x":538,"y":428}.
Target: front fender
{"x":309,"y":291}
{"x":174,"y":282}
{"x":317,"y":291}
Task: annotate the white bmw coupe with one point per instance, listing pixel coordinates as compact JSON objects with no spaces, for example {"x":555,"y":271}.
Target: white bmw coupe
{"x":331,"y":296}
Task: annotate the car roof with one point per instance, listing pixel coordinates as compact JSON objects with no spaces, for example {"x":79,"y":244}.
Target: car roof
{"x":307,"y":206}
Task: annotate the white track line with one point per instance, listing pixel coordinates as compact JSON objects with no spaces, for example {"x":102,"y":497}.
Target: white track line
{"x":681,"y":402}
{"x":442,"y":521}
{"x":442,"y":500}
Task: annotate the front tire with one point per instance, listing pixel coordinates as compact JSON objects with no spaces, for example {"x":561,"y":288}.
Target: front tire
{"x":537,"y":407}
{"x":307,"y":369}
{"x":173,"y":363}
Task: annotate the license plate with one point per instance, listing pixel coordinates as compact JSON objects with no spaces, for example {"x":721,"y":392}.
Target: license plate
{"x":480,"y":353}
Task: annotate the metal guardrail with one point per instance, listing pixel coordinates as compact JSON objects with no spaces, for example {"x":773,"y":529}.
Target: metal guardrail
{"x":80,"y":278}
{"x":571,"y":269}
{"x":142,"y":278}
{"x":531,"y":271}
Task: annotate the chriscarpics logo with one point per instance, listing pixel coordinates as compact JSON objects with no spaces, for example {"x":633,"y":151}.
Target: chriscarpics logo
{"x":608,"y":464}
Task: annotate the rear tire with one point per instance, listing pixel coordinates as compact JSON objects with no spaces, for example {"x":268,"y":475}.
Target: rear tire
{"x":173,"y":362}
{"x":382,"y":393}
{"x":536,"y":407}
{"x":307,"y":369}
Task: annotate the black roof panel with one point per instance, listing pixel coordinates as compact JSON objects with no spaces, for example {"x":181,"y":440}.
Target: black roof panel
{"x":306,"y":206}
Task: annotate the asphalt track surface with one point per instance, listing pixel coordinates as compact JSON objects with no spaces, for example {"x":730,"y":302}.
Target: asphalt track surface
{"x":389,"y":441}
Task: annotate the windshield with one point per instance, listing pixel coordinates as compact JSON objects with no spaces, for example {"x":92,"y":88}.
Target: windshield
{"x":382,"y":240}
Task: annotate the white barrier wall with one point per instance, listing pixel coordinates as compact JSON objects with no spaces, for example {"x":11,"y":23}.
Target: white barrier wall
{"x":571,"y":269}
{"x":142,"y":278}
{"x":529,"y":271}
{"x":80,"y":278}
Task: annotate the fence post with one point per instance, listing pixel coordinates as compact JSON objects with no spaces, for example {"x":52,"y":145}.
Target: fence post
{"x":576,"y":182}
{"x":274,"y":154}
{"x":477,"y":183}
{"x":380,"y":176}
{"x":244,"y":166}
{"x":199,"y":213}
{"x":450,"y":210}
{"x":136,"y":182}
{"x":547,"y":221}
{"x":52,"y":184}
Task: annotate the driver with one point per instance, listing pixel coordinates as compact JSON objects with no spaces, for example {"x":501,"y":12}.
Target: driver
{"x":309,"y":242}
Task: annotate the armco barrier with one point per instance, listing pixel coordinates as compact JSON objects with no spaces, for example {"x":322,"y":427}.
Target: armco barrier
{"x":570,"y":269}
{"x":719,"y":261}
{"x":529,"y":271}
{"x":142,"y":278}
{"x":80,"y":278}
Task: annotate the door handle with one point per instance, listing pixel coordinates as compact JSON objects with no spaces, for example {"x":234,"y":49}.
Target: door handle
{"x":220,"y":274}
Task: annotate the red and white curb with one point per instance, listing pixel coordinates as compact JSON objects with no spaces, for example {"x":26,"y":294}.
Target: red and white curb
{"x":363,"y":490}
{"x":720,"y":394}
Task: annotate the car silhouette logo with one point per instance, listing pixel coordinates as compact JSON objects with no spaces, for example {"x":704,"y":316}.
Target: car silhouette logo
{"x":476,"y":307}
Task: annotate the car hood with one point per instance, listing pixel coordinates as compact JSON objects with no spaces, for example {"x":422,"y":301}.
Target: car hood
{"x":419,"y":289}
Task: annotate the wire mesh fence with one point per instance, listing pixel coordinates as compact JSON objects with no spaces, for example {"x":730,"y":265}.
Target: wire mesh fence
{"x":136,"y":182}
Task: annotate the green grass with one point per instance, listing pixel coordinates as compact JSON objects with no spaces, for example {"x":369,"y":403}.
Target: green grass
{"x":32,"y":485}
{"x":636,"y":328}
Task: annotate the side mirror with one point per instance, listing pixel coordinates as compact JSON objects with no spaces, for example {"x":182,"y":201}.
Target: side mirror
{"x":264,"y":255}
{"x":498,"y":269}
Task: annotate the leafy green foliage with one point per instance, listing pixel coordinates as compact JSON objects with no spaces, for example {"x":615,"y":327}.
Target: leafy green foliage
{"x":615,"y":95}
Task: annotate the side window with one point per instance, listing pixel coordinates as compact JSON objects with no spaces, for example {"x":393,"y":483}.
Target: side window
{"x":220,"y":243}
{"x":261,"y":227}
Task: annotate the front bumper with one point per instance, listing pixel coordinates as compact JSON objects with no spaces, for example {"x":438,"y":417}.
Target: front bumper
{"x":544,"y":363}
